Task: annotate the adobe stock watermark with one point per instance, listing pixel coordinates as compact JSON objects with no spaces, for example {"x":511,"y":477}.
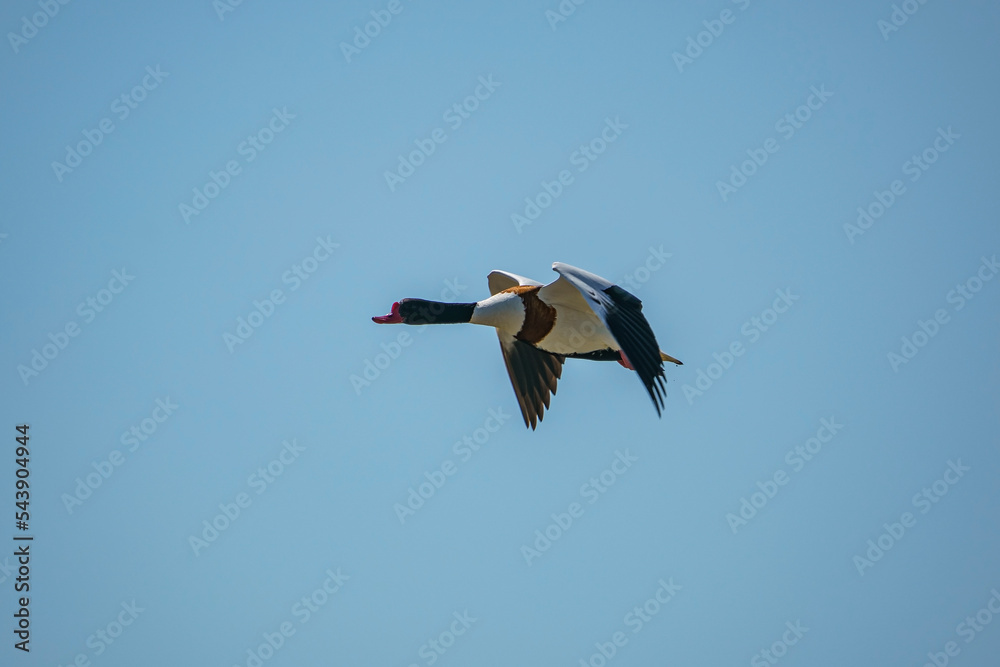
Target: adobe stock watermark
{"x":259,"y":481}
{"x":303,"y":610}
{"x":591,"y":490}
{"x":562,"y":12}
{"x":924,"y":501}
{"x":436,"y":647}
{"x":779,"y":648}
{"x":373,"y":368}
{"x":294,"y":277}
{"x":752,"y":329}
{"x":640,"y":275}
{"x":635,"y":620}
{"x":249,"y":149}
{"x":6,"y":569}
{"x":900,"y":14}
{"x":786,"y":126}
{"x":968,"y":630}
{"x":88,"y":310}
{"x":796,"y":458}
{"x":132,"y":438}
{"x":223,"y":7}
{"x":454,"y":116}
{"x":714,"y":28}
{"x":381,"y":18}
{"x":464,"y":449}
{"x":914,"y":168}
{"x":928,"y":329}
{"x":99,"y":641}
{"x":581,"y":158}
{"x":38,"y":20}
{"x":122,"y":106}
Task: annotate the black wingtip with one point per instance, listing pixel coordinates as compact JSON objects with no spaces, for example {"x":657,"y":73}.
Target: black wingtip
{"x":657,"y":391}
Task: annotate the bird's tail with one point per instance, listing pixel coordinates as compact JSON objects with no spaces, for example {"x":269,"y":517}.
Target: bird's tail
{"x":666,"y":357}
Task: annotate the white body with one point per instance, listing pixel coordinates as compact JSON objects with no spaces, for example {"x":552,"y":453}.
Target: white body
{"x":577,"y":332}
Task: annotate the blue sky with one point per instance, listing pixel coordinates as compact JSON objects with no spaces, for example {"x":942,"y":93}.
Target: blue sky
{"x":205,"y":207}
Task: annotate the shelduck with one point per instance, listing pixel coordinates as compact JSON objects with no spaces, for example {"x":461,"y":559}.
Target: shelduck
{"x":578,"y":316}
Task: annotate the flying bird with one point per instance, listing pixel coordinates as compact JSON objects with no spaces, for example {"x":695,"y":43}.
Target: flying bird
{"x":578,"y":316}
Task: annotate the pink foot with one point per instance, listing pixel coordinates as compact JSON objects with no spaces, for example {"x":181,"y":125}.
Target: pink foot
{"x":624,"y":361}
{"x":391,"y":318}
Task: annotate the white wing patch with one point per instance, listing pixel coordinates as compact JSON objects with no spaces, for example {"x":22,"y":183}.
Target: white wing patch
{"x":621,"y":313}
{"x":501,"y":280}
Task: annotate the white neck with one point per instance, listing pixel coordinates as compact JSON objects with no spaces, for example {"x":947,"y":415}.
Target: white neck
{"x":505,"y":311}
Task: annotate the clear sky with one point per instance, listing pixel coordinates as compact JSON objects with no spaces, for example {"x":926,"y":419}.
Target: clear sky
{"x":230,"y":464}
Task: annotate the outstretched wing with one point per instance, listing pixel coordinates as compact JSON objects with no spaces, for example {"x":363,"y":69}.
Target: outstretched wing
{"x":501,"y":280}
{"x":533,"y":373}
{"x":621,"y":312}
